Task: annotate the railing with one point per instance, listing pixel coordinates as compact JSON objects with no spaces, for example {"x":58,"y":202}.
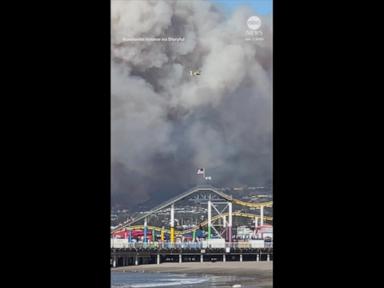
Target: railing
{"x":116,"y":243}
{"x":157,"y":245}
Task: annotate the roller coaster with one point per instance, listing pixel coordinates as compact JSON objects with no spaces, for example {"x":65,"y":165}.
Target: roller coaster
{"x":201,"y":224}
{"x":128,"y":225}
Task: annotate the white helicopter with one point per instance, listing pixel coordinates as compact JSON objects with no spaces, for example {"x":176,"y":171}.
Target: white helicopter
{"x":195,"y":72}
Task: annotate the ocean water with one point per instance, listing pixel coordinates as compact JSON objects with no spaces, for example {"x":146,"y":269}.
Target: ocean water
{"x":155,"y":279}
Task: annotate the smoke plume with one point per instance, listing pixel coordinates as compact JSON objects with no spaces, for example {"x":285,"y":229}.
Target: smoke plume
{"x":166,"y":123}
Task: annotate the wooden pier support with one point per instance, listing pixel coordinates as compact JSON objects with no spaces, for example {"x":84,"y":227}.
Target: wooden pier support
{"x":126,"y":257}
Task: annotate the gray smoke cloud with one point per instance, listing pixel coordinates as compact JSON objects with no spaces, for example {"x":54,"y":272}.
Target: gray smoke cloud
{"x":165,"y":123}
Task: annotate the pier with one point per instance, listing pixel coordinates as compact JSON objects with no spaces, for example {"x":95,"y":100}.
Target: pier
{"x":133,"y":256}
{"x":218,"y":244}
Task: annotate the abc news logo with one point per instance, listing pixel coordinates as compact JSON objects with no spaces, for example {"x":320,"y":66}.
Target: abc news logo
{"x":254,"y":23}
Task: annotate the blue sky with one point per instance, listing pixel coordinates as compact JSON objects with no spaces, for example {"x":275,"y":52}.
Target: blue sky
{"x":261,"y":7}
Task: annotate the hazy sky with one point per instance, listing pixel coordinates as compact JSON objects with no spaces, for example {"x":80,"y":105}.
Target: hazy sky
{"x":166,"y":124}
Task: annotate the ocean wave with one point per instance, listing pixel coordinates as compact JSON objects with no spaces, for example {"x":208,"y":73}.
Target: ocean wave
{"x":168,"y":282}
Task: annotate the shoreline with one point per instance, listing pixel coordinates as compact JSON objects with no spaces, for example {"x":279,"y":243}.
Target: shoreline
{"x":259,"y":270}
{"x":250,"y":274}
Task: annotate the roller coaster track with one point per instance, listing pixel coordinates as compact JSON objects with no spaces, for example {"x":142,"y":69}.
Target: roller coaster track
{"x":252,"y":204}
{"x":203,"y":223}
{"x":236,"y":213}
{"x":141,"y":227}
{"x":188,"y":193}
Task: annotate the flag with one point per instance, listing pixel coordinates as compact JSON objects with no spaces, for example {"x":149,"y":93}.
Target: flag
{"x":200,"y":171}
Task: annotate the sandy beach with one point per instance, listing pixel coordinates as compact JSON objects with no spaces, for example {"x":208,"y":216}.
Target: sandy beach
{"x":260,"y":271}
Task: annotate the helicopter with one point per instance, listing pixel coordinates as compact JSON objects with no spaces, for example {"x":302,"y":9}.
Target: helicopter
{"x":195,"y":72}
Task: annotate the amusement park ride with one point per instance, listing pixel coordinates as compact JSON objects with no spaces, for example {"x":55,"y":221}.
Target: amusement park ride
{"x":219,"y":226}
